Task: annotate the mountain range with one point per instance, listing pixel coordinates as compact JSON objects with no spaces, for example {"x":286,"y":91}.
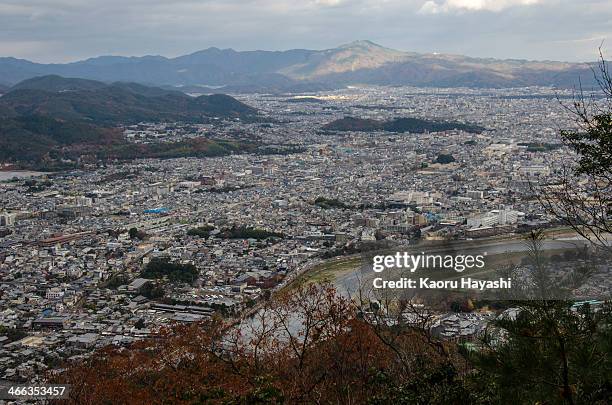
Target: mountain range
{"x":298,"y":70}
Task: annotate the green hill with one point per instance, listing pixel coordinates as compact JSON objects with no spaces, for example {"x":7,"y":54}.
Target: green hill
{"x":46,"y":120}
{"x":118,"y":103}
{"x":45,"y":143}
{"x":57,"y":83}
{"x":414,"y":125}
{"x":38,"y":139}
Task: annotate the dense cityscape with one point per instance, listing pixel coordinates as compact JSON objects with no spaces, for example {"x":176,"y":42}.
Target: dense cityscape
{"x":107,"y":254}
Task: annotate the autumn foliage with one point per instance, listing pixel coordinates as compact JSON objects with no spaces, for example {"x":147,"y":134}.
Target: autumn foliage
{"x":307,"y":346}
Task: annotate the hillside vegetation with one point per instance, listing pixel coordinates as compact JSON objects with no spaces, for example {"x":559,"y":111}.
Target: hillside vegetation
{"x":413,"y":125}
{"x":46,"y":120}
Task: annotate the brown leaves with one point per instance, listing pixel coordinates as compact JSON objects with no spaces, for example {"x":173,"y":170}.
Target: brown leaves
{"x":305,"y":346}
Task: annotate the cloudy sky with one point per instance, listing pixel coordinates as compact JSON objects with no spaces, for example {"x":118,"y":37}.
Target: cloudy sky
{"x":67,"y":30}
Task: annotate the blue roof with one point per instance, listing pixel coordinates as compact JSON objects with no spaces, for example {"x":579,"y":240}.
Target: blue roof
{"x":160,"y":210}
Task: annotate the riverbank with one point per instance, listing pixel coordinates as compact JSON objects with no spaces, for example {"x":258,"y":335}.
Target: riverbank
{"x":344,"y":271}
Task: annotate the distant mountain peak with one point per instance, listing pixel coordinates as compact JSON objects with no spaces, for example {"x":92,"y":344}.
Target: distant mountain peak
{"x":354,"y":56}
{"x":217,"y":50}
{"x":362,"y":43}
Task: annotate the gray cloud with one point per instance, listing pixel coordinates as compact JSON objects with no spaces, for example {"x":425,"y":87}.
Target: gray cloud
{"x":63,"y":30}
{"x":447,"y":6}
